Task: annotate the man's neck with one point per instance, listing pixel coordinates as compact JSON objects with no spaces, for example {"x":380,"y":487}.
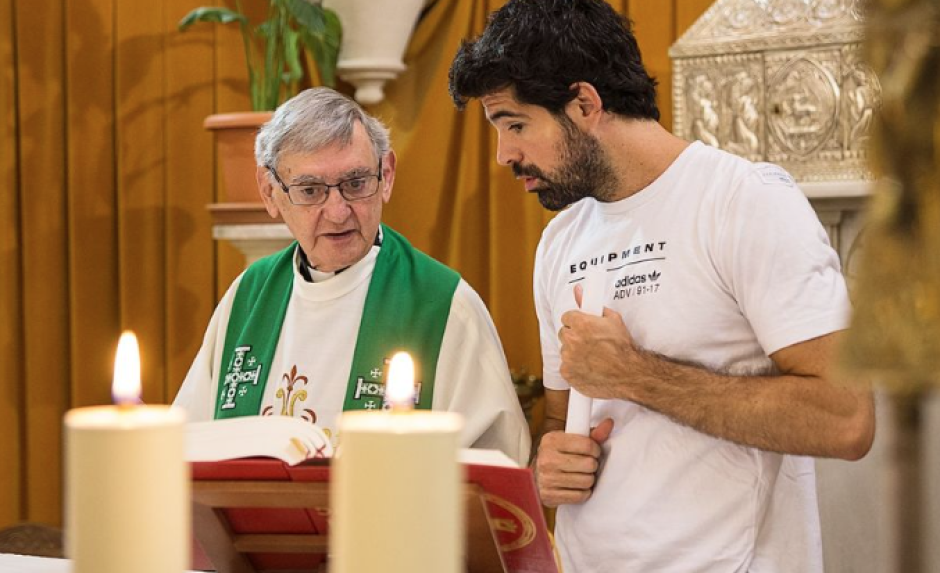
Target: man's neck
{"x":640,"y":151}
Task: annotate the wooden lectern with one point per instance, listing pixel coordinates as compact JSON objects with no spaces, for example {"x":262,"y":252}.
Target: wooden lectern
{"x":261,"y":515}
{"x":229,"y":551}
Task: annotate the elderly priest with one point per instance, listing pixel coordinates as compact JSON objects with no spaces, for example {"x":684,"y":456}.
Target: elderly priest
{"x":307,"y":332}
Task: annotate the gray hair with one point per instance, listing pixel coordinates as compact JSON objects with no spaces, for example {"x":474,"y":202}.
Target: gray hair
{"x":312,"y":120}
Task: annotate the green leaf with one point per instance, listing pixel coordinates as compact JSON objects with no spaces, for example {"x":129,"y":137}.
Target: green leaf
{"x":325,"y":46}
{"x":309,"y":16}
{"x":292,"y":63}
{"x":257,"y":97}
{"x":273,"y":50}
{"x":334,"y":30}
{"x":211,"y":14}
{"x":267,"y":29}
{"x":272,"y":31}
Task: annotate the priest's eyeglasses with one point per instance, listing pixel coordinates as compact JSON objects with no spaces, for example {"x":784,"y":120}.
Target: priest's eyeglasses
{"x":353,"y":189}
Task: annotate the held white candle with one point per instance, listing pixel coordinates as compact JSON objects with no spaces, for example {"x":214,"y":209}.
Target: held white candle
{"x":396,"y":492}
{"x":127,"y":486}
{"x":592,"y":302}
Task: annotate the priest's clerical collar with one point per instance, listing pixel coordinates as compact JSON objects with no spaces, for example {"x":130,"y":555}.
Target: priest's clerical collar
{"x":312,"y":275}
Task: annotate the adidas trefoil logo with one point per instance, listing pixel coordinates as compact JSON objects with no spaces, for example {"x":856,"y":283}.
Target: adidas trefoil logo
{"x":655,"y":275}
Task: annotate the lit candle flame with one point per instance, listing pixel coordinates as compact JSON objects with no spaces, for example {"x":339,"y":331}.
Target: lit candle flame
{"x":400,"y":387}
{"x":126,"y":386}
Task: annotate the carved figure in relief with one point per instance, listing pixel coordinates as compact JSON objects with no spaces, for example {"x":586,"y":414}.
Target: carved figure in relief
{"x":704,"y":117}
{"x":857,"y":10}
{"x":860,"y":96}
{"x":805,"y":106}
{"x":799,"y":107}
{"x":744,"y":122}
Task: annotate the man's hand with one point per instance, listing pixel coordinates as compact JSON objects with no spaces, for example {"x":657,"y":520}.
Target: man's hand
{"x":566,"y":465}
{"x":596,"y":352}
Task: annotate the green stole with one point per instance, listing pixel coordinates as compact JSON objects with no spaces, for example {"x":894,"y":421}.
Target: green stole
{"x":406,"y":308}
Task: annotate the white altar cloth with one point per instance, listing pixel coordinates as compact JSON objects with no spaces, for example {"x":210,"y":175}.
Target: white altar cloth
{"x":23,"y":564}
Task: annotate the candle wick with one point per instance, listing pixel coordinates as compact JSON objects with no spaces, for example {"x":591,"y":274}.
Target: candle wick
{"x":399,"y":407}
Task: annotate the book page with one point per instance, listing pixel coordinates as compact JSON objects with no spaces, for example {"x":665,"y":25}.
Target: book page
{"x":289,"y":439}
{"x":485,"y":458}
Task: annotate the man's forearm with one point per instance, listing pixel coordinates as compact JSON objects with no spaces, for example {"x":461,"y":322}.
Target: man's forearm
{"x":795,"y":414}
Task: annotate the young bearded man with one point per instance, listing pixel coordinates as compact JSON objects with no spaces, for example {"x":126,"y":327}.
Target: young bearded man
{"x":711,"y":366}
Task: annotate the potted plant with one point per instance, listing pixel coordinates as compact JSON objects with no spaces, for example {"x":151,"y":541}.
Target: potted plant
{"x":274,"y":53}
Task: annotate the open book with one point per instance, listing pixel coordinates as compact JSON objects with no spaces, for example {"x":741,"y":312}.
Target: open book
{"x":257,"y":463}
{"x":291,"y":440}
{"x":286,"y":438}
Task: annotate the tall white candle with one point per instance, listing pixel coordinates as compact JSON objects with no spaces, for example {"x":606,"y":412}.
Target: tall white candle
{"x":397,"y":503}
{"x":127,"y":486}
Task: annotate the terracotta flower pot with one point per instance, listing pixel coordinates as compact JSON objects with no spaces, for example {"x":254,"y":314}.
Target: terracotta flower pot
{"x":235,"y":142}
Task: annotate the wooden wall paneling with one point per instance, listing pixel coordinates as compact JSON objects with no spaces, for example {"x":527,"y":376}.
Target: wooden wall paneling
{"x":469,"y":222}
{"x":511,"y":251}
{"x":190,"y":253}
{"x":231,"y":78}
{"x":467,"y":229}
{"x":516,"y":228}
{"x":621,"y":6}
{"x":231,"y":73}
{"x":11,"y":339}
{"x":46,"y":277}
{"x":91,"y":181}
{"x":655,"y":30}
{"x":140,"y":162}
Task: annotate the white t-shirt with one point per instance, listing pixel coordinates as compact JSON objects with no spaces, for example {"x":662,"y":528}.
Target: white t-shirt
{"x":310,"y":370}
{"x":720,"y":262}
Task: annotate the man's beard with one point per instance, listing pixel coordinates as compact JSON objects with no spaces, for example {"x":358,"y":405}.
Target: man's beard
{"x":584,"y":171}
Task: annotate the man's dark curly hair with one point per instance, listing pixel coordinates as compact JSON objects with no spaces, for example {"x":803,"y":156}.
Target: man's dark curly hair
{"x":539,"y":48}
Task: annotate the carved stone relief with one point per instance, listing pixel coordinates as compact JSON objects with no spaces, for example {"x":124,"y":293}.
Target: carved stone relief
{"x":783,"y":81}
{"x":724,"y":105}
{"x":781,"y":23}
{"x":745,"y":102}
{"x":779,"y":81}
{"x":860,"y":98}
{"x":803,"y":105}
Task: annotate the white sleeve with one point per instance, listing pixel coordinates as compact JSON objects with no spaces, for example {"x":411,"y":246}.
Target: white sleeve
{"x":200,"y":387}
{"x":473,"y":379}
{"x":781,"y":269}
{"x":548,"y":329}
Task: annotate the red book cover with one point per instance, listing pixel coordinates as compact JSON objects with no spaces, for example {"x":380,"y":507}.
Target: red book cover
{"x":516,"y":516}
